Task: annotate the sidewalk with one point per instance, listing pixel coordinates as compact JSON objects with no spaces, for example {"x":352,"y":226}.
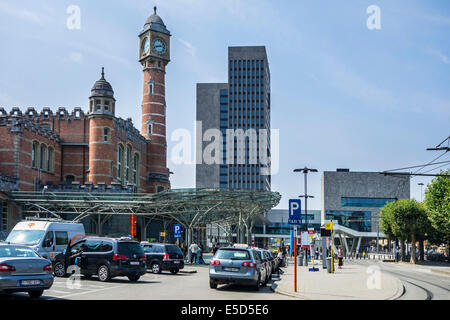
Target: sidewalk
{"x":348,"y":283}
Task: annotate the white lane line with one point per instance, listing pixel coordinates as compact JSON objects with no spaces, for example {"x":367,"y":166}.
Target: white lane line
{"x":56,"y":291}
{"x":82,"y":286}
{"x":80,"y":293}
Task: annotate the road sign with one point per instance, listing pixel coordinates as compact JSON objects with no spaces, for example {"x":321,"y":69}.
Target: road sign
{"x":325,"y":233}
{"x":162,"y":234}
{"x":305,"y":239}
{"x":177,"y":231}
{"x":295,"y":211}
{"x":328,"y":225}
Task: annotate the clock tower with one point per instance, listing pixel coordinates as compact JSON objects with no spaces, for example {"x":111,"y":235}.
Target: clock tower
{"x":154,"y":55}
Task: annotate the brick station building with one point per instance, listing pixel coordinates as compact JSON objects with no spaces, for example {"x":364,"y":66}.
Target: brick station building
{"x":92,"y":148}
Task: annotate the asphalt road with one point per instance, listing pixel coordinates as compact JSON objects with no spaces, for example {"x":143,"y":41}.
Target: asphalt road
{"x":420,"y":282}
{"x":164,"y":286}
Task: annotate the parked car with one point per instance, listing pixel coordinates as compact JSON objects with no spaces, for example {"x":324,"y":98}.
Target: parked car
{"x":267,"y":264}
{"x":47,"y":238}
{"x":273,"y":265}
{"x":23,"y":270}
{"x":237,"y":266}
{"x":163,"y":256}
{"x":105,"y":257}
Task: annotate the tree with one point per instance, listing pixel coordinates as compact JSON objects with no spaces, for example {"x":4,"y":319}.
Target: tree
{"x":406,"y":220}
{"x":437,"y":201}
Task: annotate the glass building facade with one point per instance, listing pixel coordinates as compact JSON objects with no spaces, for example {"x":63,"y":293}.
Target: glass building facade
{"x":365,"y":202}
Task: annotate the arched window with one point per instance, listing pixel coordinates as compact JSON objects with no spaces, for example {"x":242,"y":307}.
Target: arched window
{"x":43,"y":157}
{"x":127,"y":163}
{"x":136,"y":169}
{"x":34,"y":154}
{"x":119,"y":162}
{"x":50,"y":159}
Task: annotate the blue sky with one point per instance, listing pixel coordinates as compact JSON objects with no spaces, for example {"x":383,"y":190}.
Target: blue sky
{"x":343,"y":96}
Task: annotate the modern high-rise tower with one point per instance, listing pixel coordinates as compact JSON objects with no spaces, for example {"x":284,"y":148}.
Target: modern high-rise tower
{"x":241,"y":104}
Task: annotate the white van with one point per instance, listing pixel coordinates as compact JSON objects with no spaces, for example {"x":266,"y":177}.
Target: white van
{"x":46,"y":237}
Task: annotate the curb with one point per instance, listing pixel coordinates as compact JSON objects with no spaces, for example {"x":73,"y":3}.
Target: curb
{"x":187,"y":271}
{"x":440,"y":271}
{"x":274,"y":286}
{"x":400,"y":289}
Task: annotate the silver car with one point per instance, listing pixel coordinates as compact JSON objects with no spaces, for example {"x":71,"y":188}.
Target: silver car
{"x":23,"y":270}
{"x":237,"y":266}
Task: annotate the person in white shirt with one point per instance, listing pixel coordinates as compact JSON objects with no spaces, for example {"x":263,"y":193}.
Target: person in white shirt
{"x":194,"y":250}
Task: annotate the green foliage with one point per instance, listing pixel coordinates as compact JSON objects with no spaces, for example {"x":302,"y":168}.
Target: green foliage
{"x":437,"y":201}
{"x":403,"y":218}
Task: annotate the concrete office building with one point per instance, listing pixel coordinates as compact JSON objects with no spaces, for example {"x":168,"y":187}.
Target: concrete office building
{"x":354,"y":199}
{"x":242,"y":103}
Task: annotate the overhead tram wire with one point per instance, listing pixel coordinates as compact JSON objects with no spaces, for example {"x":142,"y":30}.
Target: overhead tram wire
{"x":430,"y":163}
{"x":436,"y":168}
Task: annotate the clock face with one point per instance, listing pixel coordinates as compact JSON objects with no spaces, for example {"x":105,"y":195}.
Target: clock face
{"x":146,"y":46}
{"x":159,"y":46}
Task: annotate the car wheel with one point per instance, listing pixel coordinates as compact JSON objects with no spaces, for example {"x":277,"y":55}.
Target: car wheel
{"x":35,"y":294}
{"x":103,"y":273}
{"x":134,"y":278}
{"x":174,"y":271}
{"x":212,"y":284}
{"x":156,"y":268}
{"x":59,"y":270}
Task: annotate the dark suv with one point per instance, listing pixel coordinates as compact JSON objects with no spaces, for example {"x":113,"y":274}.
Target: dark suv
{"x":163,"y":256}
{"x":105,"y":257}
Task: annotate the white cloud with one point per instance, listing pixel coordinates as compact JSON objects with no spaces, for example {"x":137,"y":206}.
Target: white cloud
{"x":188,"y":46}
{"x":438,"y":54}
{"x":98,"y":52}
{"x":22,"y":13}
{"x":76,"y":57}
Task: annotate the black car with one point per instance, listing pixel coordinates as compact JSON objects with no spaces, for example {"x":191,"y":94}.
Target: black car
{"x":105,"y":257}
{"x":163,"y":256}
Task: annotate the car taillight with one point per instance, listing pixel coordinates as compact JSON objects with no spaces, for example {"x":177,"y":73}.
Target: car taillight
{"x":144,"y":257}
{"x":48,"y":267}
{"x":248,"y":264}
{"x":6,"y":267}
{"x":166,"y":256}
{"x":214,"y":263}
{"x":119,"y":257}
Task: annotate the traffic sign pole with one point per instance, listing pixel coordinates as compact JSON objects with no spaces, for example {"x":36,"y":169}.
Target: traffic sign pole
{"x":295,"y":258}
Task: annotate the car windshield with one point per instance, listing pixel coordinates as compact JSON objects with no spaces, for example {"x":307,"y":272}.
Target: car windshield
{"x":27,"y":237}
{"x":173,"y":250}
{"x":130,"y":248}
{"x":233,"y":254}
{"x":147,"y":249}
{"x":14,"y":252}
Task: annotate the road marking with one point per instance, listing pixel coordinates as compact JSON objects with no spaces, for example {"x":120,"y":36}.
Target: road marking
{"x":80,"y":293}
{"x":56,"y":291}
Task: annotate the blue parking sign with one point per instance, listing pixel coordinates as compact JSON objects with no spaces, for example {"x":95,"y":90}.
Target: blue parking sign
{"x":295,"y":211}
{"x":177,"y":231}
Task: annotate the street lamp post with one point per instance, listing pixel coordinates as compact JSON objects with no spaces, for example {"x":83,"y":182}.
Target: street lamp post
{"x":305,"y":170}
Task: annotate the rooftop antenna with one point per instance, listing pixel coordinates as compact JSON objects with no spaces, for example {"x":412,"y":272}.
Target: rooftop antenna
{"x":103,"y":72}
{"x":154,"y":9}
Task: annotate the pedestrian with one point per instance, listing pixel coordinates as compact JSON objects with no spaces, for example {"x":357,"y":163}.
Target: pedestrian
{"x":279,"y":261}
{"x":193,"y":248}
{"x":317,"y":253}
{"x":340,"y":257}
{"x":215,"y":248}
{"x":364,"y":254}
{"x":357,"y":254}
{"x":200,"y":255}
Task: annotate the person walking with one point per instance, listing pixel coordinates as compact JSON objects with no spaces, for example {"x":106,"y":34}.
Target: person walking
{"x":340,"y":257}
{"x":193,"y":248}
{"x":200,"y":255}
{"x":279,"y":261}
{"x":215,"y":248}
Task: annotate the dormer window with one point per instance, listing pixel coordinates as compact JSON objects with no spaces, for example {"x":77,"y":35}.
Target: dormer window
{"x":77,"y":115}
{"x":46,"y":114}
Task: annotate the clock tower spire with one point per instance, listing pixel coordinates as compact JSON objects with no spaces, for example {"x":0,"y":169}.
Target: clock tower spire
{"x":154,"y":55}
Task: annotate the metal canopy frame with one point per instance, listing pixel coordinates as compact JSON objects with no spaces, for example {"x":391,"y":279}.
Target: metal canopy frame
{"x":189,"y":207}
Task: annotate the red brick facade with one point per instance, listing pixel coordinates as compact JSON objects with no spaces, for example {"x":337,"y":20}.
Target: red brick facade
{"x":97,"y":147}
